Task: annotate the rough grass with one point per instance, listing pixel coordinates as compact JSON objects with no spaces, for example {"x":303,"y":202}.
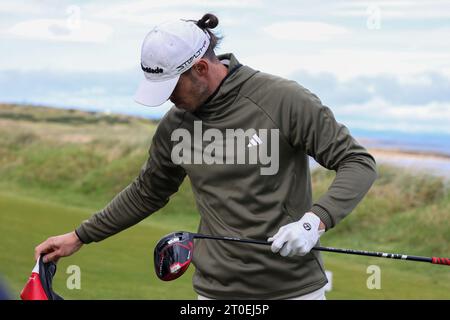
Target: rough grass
{"x":401,"y":211}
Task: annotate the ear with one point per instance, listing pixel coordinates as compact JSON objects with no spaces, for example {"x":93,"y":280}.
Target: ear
{"x":201,"y":67}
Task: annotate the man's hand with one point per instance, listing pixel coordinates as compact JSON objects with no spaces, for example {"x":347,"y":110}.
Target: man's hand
{"x":298,"y":238}
{"x":57,"y":247}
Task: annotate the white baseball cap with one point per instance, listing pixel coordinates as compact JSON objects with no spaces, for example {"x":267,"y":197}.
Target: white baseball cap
{"x":168,"y":50}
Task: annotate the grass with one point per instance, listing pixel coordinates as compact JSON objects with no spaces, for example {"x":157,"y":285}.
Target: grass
{"x":57,"y":167}
{"x":118,"y":268}
{"x":121,"y":267}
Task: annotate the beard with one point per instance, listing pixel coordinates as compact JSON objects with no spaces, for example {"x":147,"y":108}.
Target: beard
{"x":198,"y":95}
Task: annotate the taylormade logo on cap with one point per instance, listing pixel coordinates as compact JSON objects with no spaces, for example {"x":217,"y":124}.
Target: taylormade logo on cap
{"x":173,"y":48}
{"x":167,"y":51}
{"x":150,"y":70}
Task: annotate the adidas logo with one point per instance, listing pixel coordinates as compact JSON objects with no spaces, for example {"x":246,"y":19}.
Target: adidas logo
{"x":232,"y":147}
{"x":254,"y":141}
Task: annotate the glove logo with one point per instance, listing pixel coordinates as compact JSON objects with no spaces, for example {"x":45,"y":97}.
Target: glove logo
{"x":307,"y":226}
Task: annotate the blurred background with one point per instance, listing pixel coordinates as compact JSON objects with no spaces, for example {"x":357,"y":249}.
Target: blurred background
{"x":71,"y":136}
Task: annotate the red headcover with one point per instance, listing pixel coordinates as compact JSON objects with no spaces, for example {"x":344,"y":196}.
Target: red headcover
{"x":39,"y":285}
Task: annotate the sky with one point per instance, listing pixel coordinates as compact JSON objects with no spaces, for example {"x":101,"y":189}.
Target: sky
{"x":379,"y":65}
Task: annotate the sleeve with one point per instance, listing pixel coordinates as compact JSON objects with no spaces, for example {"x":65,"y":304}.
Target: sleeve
{"x":158,"y":179}
{"x":314,"y":128}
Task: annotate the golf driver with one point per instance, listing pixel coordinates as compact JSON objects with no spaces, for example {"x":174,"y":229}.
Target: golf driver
{"x":173,"y":253}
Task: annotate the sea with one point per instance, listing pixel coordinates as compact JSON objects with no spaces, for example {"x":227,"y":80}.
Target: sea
{"x":419,"y":152}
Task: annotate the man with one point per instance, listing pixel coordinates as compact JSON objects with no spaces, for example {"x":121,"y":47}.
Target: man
{"x":240,"y":190}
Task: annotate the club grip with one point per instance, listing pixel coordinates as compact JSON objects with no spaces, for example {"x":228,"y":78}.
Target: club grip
{"x":436,"y":260}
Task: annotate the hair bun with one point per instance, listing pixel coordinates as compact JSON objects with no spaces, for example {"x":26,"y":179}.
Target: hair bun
{"x":209,"y":21}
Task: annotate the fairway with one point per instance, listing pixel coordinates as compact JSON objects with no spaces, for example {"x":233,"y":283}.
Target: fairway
{"x":122,"y":267}
{"x":118,"y":268}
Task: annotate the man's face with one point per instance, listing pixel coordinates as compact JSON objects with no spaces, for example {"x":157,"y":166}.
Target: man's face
{"x":191,"y":91}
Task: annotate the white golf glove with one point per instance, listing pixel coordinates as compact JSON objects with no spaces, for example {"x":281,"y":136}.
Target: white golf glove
{"x":297,"y":238}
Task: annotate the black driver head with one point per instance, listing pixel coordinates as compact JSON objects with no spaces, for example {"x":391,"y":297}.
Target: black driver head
{"x":173,"y":254}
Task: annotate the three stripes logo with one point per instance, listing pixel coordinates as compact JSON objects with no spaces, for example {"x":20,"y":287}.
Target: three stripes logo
{"x":254,"y":141}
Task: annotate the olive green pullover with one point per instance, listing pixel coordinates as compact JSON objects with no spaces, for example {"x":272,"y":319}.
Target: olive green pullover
{"x":247,"y":199}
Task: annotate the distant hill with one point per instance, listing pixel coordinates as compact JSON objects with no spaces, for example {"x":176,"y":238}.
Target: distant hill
{"x":38,"y":113}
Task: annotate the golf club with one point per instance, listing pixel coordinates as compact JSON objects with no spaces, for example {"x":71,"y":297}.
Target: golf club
{"x":173,"y":253}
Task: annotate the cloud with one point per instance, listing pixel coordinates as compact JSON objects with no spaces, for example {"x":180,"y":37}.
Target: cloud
{"x":385,"y":102}
{"x":112,"y":91}
{"x":62,"y":30}
{"x":400,"y":71}
{"x":154,"y":12}
{"x":349,"y":62}
{"x":148,"y":5}
{"x":379,"y":114}
{"x":398,"y":10}
{"x":147,"y":17}
{"x":20,"y":7}
{"x":305,"y":31}
{"x":419,"y":89}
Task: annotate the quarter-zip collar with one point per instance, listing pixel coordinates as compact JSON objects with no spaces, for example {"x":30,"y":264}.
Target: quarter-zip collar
{"x":228,"y":89}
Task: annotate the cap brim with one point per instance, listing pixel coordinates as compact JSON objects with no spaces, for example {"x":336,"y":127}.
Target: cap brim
{"x":155,"y":93}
